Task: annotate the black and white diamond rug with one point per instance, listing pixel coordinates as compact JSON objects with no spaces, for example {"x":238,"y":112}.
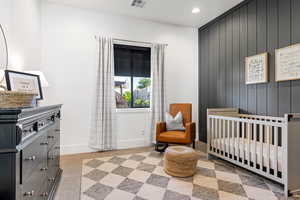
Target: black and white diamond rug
{"x":141,"y":176}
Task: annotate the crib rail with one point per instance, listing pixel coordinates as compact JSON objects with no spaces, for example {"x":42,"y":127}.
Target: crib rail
{"x":262,"y":118}
{"x":251,"y":141}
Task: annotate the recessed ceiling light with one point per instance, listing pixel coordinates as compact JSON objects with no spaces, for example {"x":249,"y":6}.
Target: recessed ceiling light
{"x":195,"y":10}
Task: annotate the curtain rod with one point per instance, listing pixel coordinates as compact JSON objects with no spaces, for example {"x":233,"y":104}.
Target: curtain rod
{"x":134,"y":41}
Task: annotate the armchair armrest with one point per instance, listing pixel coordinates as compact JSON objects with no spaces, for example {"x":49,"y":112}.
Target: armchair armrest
{"x":190,"y":130}
{"x":160,"y":127}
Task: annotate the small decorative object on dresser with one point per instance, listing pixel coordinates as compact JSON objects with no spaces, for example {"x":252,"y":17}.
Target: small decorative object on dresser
{"x":29,"y":153}
{"x":257,"y":69}
{"x":9,"y":99}
{"x":24,"y":82}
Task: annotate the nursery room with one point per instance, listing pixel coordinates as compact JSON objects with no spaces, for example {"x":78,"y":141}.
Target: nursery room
{"x":149,"y":99}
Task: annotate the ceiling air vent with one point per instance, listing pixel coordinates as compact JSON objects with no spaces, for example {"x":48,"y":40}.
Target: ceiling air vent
{"x":138,"y":3}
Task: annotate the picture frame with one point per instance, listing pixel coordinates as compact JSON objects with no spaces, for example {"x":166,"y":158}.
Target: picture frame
{"x":256,"y":68}
{"x":287,"y":63}
{"x":24,"y":82}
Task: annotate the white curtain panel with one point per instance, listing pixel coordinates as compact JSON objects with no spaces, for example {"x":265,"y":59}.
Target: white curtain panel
{"x":103,"y":136}
{"x":158,"y":97}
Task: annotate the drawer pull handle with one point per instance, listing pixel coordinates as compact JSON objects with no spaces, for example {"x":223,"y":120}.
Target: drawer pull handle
{"x":57,"y":130}
{"x":44,"y":169}
{"x":44,"y":143}
{"x":44,"y":194}
{"x":29,"y":194}
{"x":51,"y":137}
{"x":57,"y":147}
{"x":31,"y":158}
{"x":51,"y":179}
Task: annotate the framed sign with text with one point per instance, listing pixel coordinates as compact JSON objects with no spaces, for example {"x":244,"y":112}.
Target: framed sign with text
{"x":256,"y":69}
{"x":24,"y":82}
{"x":287,"y":63}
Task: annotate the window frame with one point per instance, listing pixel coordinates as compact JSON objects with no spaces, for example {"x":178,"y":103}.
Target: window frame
{"x":135,"y":109}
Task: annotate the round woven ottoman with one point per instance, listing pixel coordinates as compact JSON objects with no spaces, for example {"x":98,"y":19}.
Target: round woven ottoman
{"x":180,"y":161}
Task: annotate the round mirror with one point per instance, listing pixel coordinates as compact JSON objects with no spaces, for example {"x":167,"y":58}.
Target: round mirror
{"x":3,"y":54}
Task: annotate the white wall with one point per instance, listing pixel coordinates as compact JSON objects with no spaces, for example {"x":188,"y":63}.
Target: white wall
{"x":69,"y":61}
{"x":22,"y":25}
{"x":26,"y":33}
{"x":5,"y":21}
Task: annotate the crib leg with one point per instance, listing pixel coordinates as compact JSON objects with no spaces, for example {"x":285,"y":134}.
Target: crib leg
{"x":287,"y":193}
{"x":209,"y":157}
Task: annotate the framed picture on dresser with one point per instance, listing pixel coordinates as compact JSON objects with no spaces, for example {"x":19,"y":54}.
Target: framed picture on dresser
{"x":24,"y":82}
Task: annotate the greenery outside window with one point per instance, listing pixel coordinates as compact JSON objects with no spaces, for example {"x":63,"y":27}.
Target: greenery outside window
{"x":132,"y":76}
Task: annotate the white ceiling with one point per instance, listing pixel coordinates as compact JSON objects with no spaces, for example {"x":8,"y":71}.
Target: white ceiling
{"x":178,"y":12}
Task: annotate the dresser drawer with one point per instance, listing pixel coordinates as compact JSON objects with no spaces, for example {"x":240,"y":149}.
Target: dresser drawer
{"x":53,"y":163}
{"x":44,"y":191}
{"x":34,"y":157}
{"x":33,"y":186}
{"x":53,"y":136}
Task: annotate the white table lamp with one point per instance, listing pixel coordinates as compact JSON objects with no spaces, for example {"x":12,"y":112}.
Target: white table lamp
{"x":44,"y":82}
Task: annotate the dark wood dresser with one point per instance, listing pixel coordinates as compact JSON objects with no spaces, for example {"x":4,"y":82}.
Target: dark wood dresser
{"x":29,"y":153}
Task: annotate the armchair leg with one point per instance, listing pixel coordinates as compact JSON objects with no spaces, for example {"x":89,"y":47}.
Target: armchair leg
{"x":194,"y":144}
{"x":161,"y":147}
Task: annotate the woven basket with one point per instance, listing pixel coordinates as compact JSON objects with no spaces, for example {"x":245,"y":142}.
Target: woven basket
{"x":10,"y":99}
{"x":180,"y":161}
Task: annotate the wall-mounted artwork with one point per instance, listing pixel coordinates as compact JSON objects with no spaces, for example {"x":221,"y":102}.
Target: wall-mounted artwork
{"x":287,"y":63}
{"x":257,"y":69}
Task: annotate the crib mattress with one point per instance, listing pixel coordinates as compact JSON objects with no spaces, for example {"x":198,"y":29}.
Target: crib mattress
{"x":233,"y":144}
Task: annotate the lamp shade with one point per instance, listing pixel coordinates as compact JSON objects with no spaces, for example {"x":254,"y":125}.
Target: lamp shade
{"x":2,"y":74}
{"x":43,"y":79}
{"x":2,"y":77}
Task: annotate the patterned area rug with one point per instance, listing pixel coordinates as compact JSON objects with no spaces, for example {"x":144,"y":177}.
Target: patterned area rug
{"x":141,"y":176}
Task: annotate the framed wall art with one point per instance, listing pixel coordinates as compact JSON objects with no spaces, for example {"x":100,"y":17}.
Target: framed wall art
{"x":256,"y":69}
{"x":287,"y":63}
{"x":24,"y":82}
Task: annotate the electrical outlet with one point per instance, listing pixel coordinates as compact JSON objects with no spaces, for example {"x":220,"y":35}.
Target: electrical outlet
{"x":143,"y":132}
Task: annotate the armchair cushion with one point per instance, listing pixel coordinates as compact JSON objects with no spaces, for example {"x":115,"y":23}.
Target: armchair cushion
{"x":172,"y":136}
{"x":174,"y":123}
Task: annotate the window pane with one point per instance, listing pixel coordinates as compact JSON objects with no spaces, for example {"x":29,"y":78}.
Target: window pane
{"x":122,"y":61}
{"x":123,"y":91}
{"x":141,"y":92}
{"x":141,"y":63}
{"x":132,"y":60}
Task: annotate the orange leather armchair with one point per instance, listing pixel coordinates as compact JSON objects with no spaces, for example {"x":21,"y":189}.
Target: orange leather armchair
{"x":178,"y":137}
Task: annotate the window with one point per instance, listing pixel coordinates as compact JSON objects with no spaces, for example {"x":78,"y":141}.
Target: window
{"x":132,"y":76}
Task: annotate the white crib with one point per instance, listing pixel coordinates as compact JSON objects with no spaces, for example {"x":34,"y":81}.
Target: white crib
{"x":269,"y":146}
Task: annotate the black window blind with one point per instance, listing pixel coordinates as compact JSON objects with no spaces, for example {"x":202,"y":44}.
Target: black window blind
{"x":132,"y":61}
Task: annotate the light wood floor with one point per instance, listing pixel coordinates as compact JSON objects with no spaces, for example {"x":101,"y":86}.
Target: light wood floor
{"x":69,"y":187}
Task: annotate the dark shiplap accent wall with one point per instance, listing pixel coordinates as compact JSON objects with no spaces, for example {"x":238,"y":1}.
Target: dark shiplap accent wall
{"x":253,"y":27}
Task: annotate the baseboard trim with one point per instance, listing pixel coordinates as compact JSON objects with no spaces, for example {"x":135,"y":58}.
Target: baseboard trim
{"x":75,"y":149}
{"x":84,"y":148}
{"x":126,"y":144}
